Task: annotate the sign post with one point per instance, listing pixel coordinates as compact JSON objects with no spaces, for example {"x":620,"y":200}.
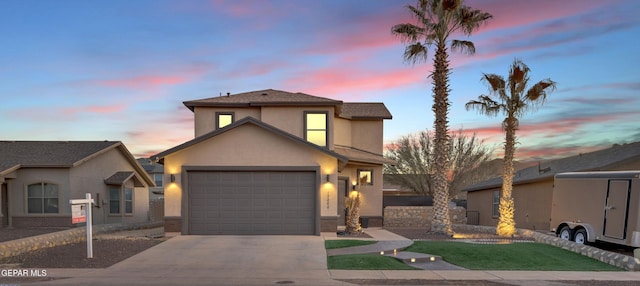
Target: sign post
{"x":77,"y":217}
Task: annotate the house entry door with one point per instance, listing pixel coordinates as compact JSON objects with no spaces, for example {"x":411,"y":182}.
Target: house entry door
{"x":343,"y":184}
{"x":615,"y":216}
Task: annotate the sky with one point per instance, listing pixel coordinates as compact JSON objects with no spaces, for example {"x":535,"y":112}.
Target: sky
{"x":120,"y":70}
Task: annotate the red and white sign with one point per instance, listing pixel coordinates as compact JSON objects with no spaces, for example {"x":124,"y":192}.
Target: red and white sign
{"x":78,"y":214}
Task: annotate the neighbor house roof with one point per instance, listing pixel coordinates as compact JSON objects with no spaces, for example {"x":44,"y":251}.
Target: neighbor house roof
{"x":248,"y":120}
{"x":595,"y":161}
{"x":262,"y":98}
{"x":57,"y":154}
{"x":364,"y":110}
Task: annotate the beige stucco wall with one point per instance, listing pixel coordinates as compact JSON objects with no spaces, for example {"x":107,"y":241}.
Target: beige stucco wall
{"x":249,"y":145}
{"x":205,"y":117}
{"x":532,"y":205}
{"x":342,"y":131}
{"x":371,"y":195}
{"x":89,"y":176}
{"x":367,"y":135}
{"x":17,"y":189}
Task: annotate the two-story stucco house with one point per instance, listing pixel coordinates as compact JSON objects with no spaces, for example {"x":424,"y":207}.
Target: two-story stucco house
{"x":274,"y":162}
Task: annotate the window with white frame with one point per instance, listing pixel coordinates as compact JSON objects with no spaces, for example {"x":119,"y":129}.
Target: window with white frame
{"x":42,"y":198}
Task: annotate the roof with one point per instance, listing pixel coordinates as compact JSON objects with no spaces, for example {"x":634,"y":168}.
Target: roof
{"x":594,"y":161}
{"x":57,"y":154}
{"x":272,"y":97}
{"x":364,"y":110}
{"x":150,"y":166}
{"x":357,"y":155}
{"x":263,"y":98}
{"x":247,"y":120}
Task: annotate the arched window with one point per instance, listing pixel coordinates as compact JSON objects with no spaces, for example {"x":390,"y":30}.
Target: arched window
{"x":42,"y":198}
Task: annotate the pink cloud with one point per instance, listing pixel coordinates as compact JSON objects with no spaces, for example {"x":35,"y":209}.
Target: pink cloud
{"x":142,"y":81}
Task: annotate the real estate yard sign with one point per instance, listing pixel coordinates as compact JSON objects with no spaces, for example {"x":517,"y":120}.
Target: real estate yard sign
{"x":87,"y":203}
{"x":78,"y":214}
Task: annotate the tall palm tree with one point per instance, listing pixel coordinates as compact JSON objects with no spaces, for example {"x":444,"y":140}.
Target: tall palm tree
{"x":436,"y":21}
{"x":512,"y":99}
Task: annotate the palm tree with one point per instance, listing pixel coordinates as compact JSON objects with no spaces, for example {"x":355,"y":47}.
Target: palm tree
{"x":513,"y":101}
{"x":436,"y":21}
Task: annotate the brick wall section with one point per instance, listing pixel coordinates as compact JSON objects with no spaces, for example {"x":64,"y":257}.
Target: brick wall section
{"x":419,"y":216}
{"x":18,"y":246}
{"x":620,"y":260}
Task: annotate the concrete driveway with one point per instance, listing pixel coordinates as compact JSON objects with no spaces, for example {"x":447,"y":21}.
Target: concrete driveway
{"x":219,"y":260}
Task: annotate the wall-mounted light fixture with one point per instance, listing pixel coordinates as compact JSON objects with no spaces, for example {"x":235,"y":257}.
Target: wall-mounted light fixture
{"x":172,"y":178}
{"x":353,"y":187}
{"x":328,"y":178}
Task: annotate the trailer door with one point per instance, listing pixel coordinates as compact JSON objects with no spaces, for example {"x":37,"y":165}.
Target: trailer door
{"x":617,"y":203}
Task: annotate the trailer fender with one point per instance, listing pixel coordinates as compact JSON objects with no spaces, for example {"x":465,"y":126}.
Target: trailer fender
{"x":591,"y":234}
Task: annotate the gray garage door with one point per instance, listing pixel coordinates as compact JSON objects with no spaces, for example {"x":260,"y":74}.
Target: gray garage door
{"x":251,"y":202}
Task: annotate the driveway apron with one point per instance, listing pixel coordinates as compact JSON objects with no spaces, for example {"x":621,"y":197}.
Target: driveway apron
{"x":213,"y":260}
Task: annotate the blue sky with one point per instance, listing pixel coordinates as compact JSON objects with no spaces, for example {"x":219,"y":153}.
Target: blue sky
{"x":120,"y":70}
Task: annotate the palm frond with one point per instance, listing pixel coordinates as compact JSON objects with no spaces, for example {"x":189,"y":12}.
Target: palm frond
{"x":537,"y":94}
{"x":494,"y":81}
{"x":416,"y":52}
{"x":466,"y":47}
{"x":471,"y":19}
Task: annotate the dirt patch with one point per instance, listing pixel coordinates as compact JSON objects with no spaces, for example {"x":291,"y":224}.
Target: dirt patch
{"x":106,"y":252}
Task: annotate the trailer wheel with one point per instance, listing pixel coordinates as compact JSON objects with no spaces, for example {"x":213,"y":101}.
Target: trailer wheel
{"x":565,"y":233}
{"x":581,"y":236}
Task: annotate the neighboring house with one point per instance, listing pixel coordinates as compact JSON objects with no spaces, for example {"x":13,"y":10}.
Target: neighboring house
{"x":156,"y":172}
{"x":533,"y":186}
{"x":38,"y":179}
{"x":274,"y":162}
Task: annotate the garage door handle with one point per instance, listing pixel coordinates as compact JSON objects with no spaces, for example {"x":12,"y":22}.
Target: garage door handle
{"x":609,"y":208}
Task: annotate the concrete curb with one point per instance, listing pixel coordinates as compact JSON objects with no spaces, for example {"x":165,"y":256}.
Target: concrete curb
{"x":27,"y":244}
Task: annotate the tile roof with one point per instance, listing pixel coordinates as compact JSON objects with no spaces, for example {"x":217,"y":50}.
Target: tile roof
{"x":49,"y":153}
{"x":594,"y":161}
{"x":261,"y":98}
{"x":364,"y":110}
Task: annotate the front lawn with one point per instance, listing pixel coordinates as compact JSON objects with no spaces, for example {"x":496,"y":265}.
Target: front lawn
{"x":515,"y":256}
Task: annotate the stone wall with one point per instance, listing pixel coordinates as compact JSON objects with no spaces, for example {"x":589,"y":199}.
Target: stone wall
{"x":18,"y":246}
{"x":419,"y":216}
{"x":620,"y":260}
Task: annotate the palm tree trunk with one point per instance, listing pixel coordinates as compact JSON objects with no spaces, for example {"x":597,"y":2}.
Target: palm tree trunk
{"x":506,"y":224}
{"x":441,"y":223}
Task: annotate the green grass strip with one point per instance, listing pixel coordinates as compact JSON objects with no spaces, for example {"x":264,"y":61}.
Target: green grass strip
{"x":515,"y":256}
{"x":366,"y":262}
{"x":341,"y":243}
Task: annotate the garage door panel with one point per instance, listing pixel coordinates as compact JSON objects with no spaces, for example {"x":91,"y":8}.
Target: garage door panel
{"x":223,"y":202}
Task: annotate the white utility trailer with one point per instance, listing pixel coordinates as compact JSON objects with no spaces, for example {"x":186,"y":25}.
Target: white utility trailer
{"x":597,"y":206}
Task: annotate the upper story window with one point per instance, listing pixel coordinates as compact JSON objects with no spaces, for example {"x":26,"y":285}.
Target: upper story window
{"x":157,"y":177}
{"x":223,"y":119}
{"x":42,"y":198}
{"x":315,"y":126}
